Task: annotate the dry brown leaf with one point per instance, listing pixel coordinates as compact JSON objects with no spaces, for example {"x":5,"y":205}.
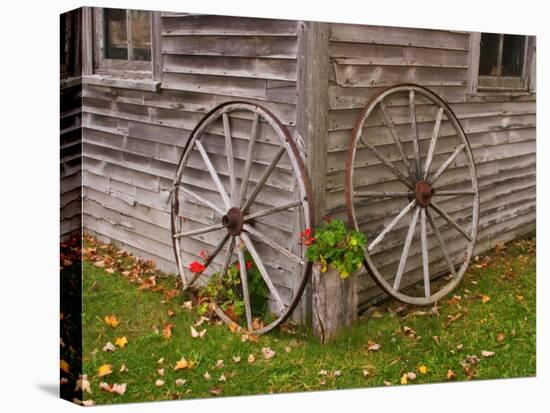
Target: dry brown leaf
{"x":485,"y":298}
{"x":450,"y":374}
{"x":500,"y":337}
{"x":422,"y":369}
{"x":372,"y":346}
{"x":180,"y":382}
{"x":268,"y":353}
{"x":99,"y":264}
{"x":167,"y":330}
{"x":288,"y":349}
{"x":123,"y":368}
{"x":182,"y":364}
{"x":222,"y":378}
{"x":109,"y":346}
{"x":170,"y":313}
{"x":207,"y":376}
{"x":110,"y":270}
{"x":188,"y":305}
{"x":251,"y":358}
{"x":237,"y":359}
{"x":88,"y":403}
{"x":83,"y":384}
{"x":160,"y":372}
{"x":487,"y":353}
{"x":63,"y":365}
{"x":404,"y":379}
{"x":159,"y":383}
{"x":216,"y":391}
{"x":113,"y":388}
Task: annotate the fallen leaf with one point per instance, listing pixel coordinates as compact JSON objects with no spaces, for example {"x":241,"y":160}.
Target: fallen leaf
{"x":411,"y":375}
{"x":268,"y":353}
{"x":409,"y":332}
{"x":83,"y":384}
{"x":323,"y":372}
{"x":123,"y":368}
{"x":121,"y":341}
{"x":180,"y":382}
{"x":111,"y":320}
{"x":485,"y":298}
{"x":188,"y":304}
{"x":182,"y":364}
{"x":110,"y":270}
{"x":160,"y":360}
{"x":63,"y":365}
{"x":450,"y":375}
{"x":88,"y":403}
{"x":113,"y":388}
{"x":194,"y":333}
{"x":222,"y":378}
{"x":459,"y":346}
{"x":288,"y":349}
{"x":167,"y":330}
{"x":372,"y":346}
{"x":160,"y":372}
{"x":422,"y":369}
{"x":201,"y":320}
{"x":337,"y":373}
{"x":387,"y":383}
{"x":99,"y":264}
{"x":170,"y":313}
{"x":473,"y":359}
{"x":500,"y":337}
{"x":236,"y":359}
{"x":404,"y":379}
{"x":520,"y":298}
{"x":109,"y":346}
{"x":104,"y":370}
{"x":219,"y":364}
{"x":207,"y":376}
{"x":216,"y":391}
{"x":486,"y":353}
{"x":251,"y":358}
{"x":159,"y":383}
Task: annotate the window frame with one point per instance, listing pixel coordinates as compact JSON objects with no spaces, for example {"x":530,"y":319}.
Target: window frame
{"x":479,"y":84}
{"x":96,"y":64}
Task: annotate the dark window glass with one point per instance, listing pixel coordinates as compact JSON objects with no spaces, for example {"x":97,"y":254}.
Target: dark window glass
{"x":141,"y":35}
{"x":115,"y":34}
{"x":513,"y":51}
{"x":488,"y":58}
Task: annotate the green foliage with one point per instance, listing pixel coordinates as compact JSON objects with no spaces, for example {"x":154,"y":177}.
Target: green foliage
{"x":226,"y":291}
{"x":337,"y":246}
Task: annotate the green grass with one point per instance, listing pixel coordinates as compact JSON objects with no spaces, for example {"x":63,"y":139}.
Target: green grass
{"x":505,"y":324}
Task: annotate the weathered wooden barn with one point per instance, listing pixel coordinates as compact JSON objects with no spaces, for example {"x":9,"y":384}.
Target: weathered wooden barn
{"x":128,"y":110}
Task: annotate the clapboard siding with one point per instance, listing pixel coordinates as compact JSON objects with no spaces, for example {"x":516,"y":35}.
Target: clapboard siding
{"x":70,"y":159}
{"x":501,"y":130}
{"x":133,"y":139}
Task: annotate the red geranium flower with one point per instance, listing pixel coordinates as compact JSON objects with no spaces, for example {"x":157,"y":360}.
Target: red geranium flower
{"x":196,"y":266}
{"x":248,"y":265}
{"x":306,"y":237}
{"x":204,"y":255}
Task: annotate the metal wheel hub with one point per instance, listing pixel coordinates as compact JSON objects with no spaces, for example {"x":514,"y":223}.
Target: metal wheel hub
{"x":423,"y":193}
{"x":233,"y":221}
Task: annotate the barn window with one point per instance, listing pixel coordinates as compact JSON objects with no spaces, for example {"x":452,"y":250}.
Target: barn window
{"x":126,"y":43}
{"x":501,"y":62}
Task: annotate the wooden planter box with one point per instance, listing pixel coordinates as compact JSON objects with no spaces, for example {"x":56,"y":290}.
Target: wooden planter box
{"x":334,"y":302}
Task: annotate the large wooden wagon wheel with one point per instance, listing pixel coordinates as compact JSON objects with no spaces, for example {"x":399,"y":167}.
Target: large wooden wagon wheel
{"x":241,"y":193}
{"x":409,"y":159}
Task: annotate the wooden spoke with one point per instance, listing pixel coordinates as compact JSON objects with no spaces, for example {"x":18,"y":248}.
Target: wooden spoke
{"x":390,"y":226}
{"x":425,"y":259}
{"x":272,"y":243}
{"x":451,"y":221}
{"x":203,"y":230}
{"x":431,"y":150}
{"x":389,"y":123}
{"x":387,"y":163}
{"x":406,"y":247}
{"x":371,"y":194}
{"x":447,"y":163}
{"x":208,"y":261}
{"x":213,"y":174}
{"x":244,"y":284}
{"x":249,"y":157}
{"x":447,"y":193}
{"x":441,"y":243}
{"x":230,"y":159}
{"x":265,"y":275}
{"x":273,"y":210}
{"x":267,"y":173}
{"x":414,"y":131}
{"x":202,"y":200}
{"x":228,"y":255}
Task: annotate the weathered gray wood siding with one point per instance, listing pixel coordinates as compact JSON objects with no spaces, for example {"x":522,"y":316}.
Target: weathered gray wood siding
{"x":133,"y":139}
{"x":70,"y":158}
{"x":501,"y":130}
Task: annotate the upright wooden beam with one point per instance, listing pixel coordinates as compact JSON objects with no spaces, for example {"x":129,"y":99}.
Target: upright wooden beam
{"x":311,"y":122}
{"x":87,"y":46}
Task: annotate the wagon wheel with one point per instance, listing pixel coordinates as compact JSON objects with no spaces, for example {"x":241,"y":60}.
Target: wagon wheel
{"x":241,"y":192}
{"x":408,"y":137}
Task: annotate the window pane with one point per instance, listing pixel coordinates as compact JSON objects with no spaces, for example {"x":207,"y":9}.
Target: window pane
{"x":116,"y":40}
{"x":488,"y":55}
{"x":141,"y":34}
{"x":513,"y":50}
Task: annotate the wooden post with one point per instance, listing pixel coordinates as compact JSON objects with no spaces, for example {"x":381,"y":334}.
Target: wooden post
{"x":311,"y":118}
{"x":334,"y":302}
